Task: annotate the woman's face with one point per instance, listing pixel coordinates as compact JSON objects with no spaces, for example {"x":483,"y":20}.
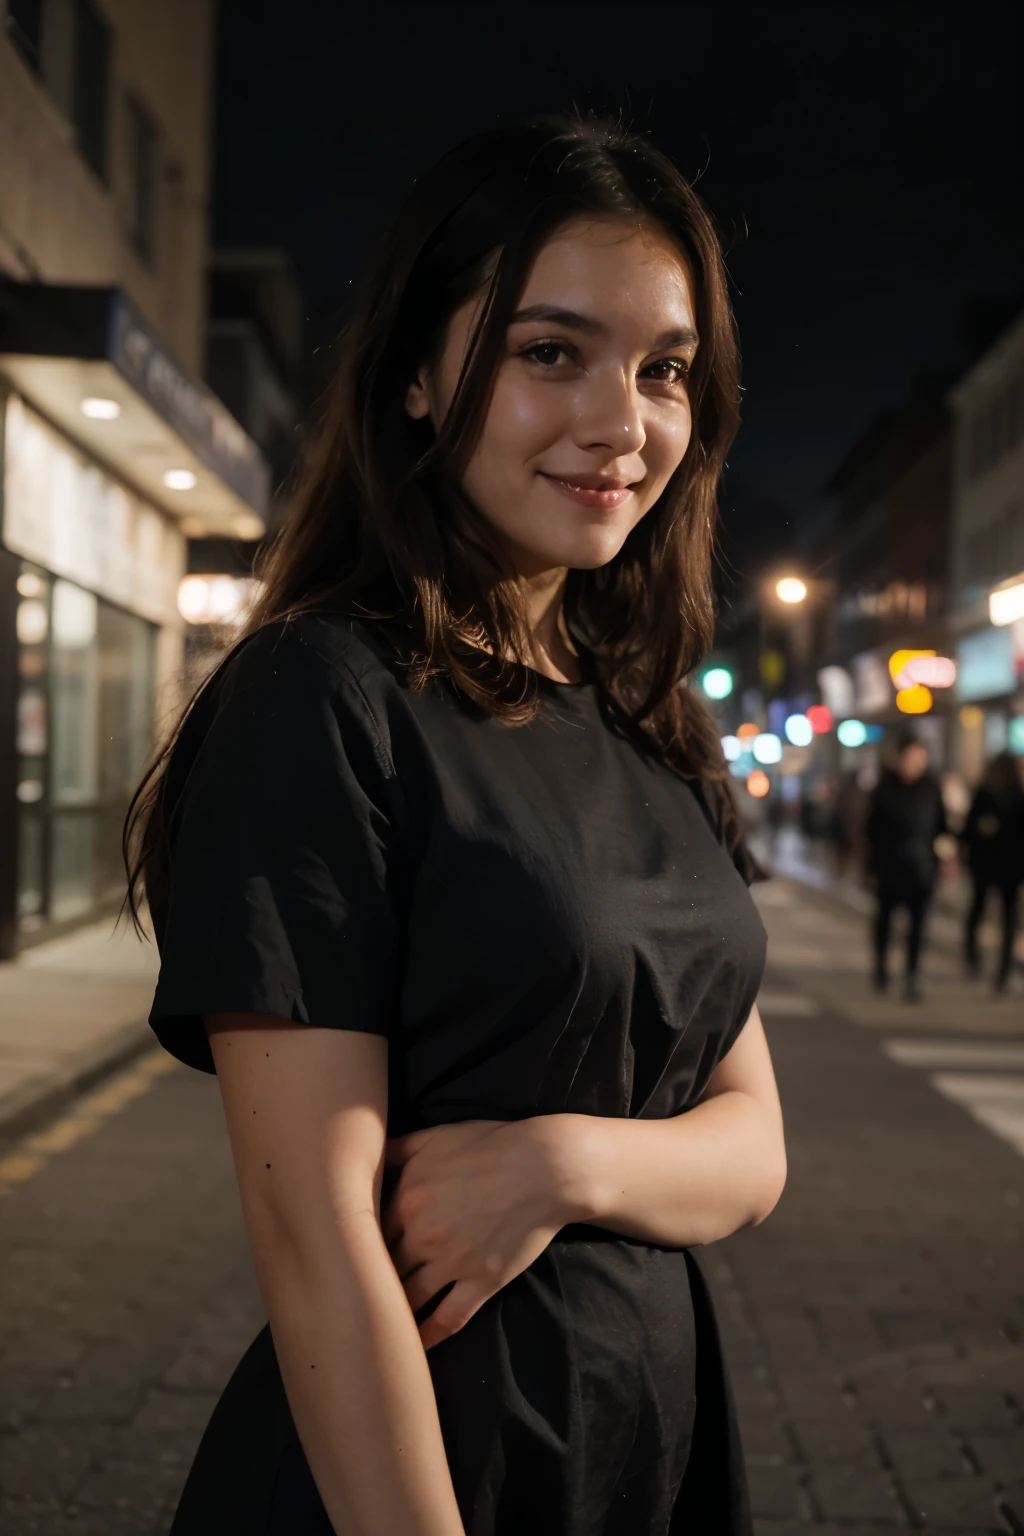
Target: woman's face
{"x":590,"y":414}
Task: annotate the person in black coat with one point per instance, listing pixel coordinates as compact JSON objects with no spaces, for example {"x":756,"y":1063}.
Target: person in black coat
{"x":905,"y":818}
{"x":993,"y":843}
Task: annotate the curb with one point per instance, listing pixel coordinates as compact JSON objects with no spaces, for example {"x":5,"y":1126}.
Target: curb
{"x":43,"y":1095}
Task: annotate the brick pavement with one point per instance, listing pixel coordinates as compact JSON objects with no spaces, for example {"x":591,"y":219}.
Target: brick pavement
{"x":874,"y":1323}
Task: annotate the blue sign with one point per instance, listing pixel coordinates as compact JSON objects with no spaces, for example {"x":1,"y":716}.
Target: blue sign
{"x":985,"y":666}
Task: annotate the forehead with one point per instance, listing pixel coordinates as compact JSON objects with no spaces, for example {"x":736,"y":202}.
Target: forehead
{"x":613,"y":271}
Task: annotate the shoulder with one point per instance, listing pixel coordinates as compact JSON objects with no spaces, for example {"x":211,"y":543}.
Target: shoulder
{"x":326,"y":651}
{"x":311,"y":687}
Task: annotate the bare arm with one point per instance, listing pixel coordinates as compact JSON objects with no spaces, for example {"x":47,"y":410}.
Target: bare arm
{"x":477,"y":1202}
{"x":697,"y":1177}
{"x":306,"y":1112}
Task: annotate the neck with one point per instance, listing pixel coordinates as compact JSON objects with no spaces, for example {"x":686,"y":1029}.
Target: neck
{"x":549,"y":650}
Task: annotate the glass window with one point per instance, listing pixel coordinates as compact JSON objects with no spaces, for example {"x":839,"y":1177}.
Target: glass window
{"x":143,"y":145}
{"x":90,"y":84}
{"x":84,"y":733}
{"x":72,"y":864}
{"x":24,"y":26}
{"x":75,"y":679}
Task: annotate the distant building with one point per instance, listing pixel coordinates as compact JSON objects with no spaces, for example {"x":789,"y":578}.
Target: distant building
{"x":113,"y":453}
{"x":256,"y":363}
{"x":887,"y":551}
{"x":988,"y":547}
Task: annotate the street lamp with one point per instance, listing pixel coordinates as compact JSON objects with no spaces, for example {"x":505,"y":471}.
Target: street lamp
{"x":790,"y":590}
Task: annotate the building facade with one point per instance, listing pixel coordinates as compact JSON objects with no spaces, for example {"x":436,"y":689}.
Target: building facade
{"x":888,"y":553}
{"x":988,"y":549}
{"x":113,"y":453}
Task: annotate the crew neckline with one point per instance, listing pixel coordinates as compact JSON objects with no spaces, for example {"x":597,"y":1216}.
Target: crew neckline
{"x":543,"y":680}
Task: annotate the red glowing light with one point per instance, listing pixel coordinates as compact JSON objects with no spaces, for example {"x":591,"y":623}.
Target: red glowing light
{"x":820,"y":717}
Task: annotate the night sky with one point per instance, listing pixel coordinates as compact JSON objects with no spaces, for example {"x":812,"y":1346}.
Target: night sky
{"x":863,"y":163}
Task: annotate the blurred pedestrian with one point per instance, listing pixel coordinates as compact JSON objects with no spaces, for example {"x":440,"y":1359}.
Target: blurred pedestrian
{"x":905,"y":818}
{"x":993,"y":842}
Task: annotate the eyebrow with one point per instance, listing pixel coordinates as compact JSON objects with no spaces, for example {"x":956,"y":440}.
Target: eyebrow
{"x":685,"y":336}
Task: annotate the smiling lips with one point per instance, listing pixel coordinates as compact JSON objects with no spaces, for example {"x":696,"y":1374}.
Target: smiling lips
{"x":592,"y":490}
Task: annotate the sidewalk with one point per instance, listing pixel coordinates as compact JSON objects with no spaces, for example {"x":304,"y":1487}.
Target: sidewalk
{"x":71,"y":1009}
{"x":791,"y":855}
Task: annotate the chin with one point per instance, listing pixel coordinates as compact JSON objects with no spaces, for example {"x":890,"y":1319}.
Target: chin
{"x":594,"y":549}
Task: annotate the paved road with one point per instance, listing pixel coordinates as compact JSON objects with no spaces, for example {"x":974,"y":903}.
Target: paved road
{"x":875,"y":1322}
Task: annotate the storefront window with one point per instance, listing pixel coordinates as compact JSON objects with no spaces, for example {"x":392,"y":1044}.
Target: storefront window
{"x":85,"y":713}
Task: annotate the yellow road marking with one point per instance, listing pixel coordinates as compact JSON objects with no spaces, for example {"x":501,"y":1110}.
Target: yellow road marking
{"x":87,"y":1115}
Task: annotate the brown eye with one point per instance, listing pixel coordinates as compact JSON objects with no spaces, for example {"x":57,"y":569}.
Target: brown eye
{"x":547,"y":353}
{"x":670,"y":370}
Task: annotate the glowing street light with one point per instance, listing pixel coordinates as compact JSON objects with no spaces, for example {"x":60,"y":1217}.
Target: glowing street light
{"x":758,"y":784}
{"x":799,"y":731}
{"x":790,"y":590}
{"x":767,"y":748}
{"x":852,"y":733}
{"x":717,"y":682}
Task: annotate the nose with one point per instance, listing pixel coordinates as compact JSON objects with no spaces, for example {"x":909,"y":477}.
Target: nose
{"x":609,"y":415}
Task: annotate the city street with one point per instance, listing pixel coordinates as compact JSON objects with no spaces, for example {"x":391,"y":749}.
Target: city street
{"x":874,"y":1323}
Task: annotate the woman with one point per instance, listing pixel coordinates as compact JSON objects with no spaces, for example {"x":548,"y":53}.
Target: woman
{"x":444,"y":854}
{"x":993,"y":840}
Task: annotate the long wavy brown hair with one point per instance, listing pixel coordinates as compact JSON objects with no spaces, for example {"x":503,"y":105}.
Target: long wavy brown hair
{"x":380,"y":525}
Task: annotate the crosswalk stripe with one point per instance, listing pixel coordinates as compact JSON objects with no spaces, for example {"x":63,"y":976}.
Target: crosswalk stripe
{"x":938,"y":1055}
{"x":995,"y":1102}
{"x":791,"y":1005}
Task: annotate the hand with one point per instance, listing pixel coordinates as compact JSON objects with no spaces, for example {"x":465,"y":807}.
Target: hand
{"x":475,"y":1204}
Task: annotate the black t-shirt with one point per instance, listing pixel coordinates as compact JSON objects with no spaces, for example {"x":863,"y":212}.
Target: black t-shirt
{"x":538,"y":918}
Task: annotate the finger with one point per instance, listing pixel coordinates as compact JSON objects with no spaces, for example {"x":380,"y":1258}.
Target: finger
{"x":465,"y":1298}
{"x":423,"y":1284}
{"x":405,"y":1258}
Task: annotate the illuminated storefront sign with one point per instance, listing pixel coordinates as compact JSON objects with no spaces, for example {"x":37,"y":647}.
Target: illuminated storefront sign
{"x":990,"y":662}
{"x":67,"y":515}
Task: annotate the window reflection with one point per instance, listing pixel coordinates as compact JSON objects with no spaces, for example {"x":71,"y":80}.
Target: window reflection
{"x":84,"y":732}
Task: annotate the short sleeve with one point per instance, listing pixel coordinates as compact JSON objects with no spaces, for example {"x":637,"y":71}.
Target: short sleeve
{"x":281,"y":848}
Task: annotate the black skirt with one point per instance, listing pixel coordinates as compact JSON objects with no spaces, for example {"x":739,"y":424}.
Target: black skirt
{"x":588,"y":1398}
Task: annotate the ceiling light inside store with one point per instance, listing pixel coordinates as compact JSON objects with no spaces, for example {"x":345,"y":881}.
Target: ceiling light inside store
{"x":217,"y":599}
{"x":791,"y":590}
{"x":31,"y":622}
{"x":179,"y":480}
{"x":98,"y":408}
{"x":1006,"y":604}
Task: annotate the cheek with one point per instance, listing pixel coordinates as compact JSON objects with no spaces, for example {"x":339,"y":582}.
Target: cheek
{"x":668,"y":437}
{"x":523,"y":420}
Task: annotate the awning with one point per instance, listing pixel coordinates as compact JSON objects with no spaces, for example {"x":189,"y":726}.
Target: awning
{"x":62,"y":346}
